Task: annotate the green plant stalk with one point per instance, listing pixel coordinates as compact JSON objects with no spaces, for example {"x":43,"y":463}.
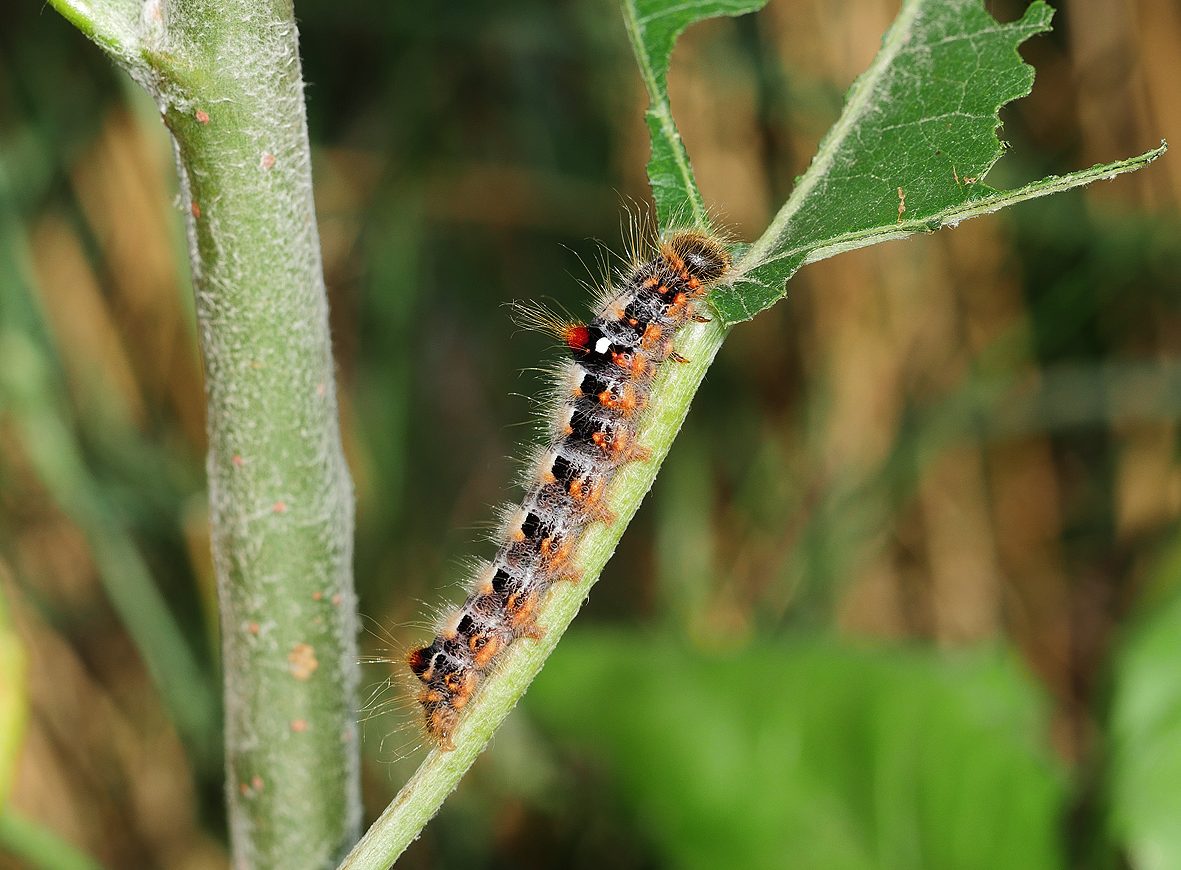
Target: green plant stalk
{"x":226,"y":76}
{"x":419,"y":800}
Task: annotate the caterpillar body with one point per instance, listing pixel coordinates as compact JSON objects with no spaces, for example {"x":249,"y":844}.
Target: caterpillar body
{"x":602,"y":395}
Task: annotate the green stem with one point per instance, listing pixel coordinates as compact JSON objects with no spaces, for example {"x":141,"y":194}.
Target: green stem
{"x":112,"y":24}
{"x":440,"y":772}
{"x":226,"y":76}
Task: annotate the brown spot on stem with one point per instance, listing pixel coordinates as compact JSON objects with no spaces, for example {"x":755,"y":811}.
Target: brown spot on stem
{"x":279,"y":507}
{"x":298,"y":726}
{"x":268,"y":160}
{"x":237,"y":460}
{"x":202,"y":116}
{"x":195,"y":210}
{"x":254,"y":628}
{"x":302,"y":659}
{"x":901,"y":203}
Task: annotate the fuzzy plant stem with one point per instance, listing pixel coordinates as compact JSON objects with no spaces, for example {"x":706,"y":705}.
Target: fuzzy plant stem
{"x":226,"y":76}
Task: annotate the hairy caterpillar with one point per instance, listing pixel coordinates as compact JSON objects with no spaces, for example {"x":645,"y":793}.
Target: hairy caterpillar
{"x":602,"y":393}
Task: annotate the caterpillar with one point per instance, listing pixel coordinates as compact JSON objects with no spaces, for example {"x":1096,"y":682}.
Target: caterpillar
{"x":603,"y":390}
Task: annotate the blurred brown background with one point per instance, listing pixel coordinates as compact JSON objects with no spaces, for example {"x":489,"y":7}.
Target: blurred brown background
{"x":958,"y":439}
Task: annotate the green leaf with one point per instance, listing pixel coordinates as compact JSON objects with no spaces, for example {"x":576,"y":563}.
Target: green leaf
{"x":909,"y":153}
{"x":1145,"y":758}
{"x":911,"y":149}
{"x":653,"y":26}
{"x":814,"y":755}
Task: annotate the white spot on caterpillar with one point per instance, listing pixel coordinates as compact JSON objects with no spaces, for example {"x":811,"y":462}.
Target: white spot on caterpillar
{"x":602,"y":344}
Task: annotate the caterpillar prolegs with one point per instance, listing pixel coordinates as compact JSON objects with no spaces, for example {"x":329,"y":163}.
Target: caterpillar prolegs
{"x":602,"y":395}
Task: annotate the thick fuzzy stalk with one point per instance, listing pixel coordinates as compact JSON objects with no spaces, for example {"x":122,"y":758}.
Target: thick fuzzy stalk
{"x":226,"y":75}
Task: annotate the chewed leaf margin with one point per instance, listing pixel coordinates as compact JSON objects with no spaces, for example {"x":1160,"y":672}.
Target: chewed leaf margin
{"x":909,"y":153}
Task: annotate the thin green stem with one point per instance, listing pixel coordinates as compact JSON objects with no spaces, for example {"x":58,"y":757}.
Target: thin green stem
{"x":112,"y":24}
{"x":440,"y":772}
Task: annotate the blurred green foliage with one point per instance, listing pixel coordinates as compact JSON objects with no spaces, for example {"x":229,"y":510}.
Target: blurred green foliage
{"x":812,"y":754}
{"x":1144,"y":763}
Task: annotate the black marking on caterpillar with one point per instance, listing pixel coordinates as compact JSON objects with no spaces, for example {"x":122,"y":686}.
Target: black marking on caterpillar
{"x":604,"y":391}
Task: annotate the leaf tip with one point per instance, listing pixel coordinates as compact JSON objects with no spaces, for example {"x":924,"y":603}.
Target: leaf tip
{"x":1039,"y":15}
